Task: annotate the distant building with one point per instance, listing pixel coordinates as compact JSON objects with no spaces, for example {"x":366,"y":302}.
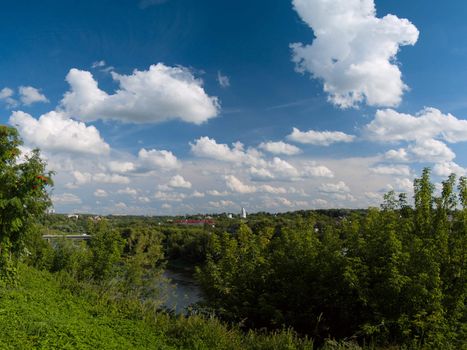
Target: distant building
{"x":73,"y":216}
{"x":243,"y":214}
{"x":230,"y":216}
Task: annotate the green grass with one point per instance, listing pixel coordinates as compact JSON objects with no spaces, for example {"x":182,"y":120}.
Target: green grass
{"x":40,"y":314}
{"x":49,"y":311}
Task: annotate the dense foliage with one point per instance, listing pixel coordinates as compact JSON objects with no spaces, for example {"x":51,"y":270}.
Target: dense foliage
{"x":23,"y":198}
{"x":396,"y":275}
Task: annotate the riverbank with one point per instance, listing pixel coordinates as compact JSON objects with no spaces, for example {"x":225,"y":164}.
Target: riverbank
{"x":43,"y":312}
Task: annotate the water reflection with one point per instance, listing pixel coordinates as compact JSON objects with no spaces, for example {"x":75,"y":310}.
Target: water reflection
{"x":183,"y":291}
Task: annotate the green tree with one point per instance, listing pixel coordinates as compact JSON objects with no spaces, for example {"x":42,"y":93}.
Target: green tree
{"x":423,"y":197}
{"x":106,"y":248}
{"x":23,"y":198}
{"x":142,"y":261}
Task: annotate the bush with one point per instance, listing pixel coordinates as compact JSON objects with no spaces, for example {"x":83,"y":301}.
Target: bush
{"x":394,"y":276}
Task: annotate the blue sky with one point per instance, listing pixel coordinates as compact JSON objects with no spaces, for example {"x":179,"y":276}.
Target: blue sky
{"x":141,"y":106}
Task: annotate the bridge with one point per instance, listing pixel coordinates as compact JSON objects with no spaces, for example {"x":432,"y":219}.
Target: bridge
{"x":76,"y":237}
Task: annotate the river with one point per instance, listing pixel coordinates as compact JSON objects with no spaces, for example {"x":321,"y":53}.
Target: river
{"x":182,"y":291}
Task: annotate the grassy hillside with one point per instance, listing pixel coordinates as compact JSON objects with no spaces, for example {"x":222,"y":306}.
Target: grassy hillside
{"x":40,"y":313}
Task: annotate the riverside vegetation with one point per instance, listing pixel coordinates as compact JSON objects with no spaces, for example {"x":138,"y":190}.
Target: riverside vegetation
{"x":390,"y":277}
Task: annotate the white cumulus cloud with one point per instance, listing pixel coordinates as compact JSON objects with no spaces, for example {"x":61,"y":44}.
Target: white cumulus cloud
{"x":319,"y":138}
{"x":158,"y":94}
{"x":100,"y":193}
{"x":234,"y":184}
{"x":339,"y":187}
{"x":279,"y":147}
{"x":354,"y":51}
{"x":283,"y":169}
{"x":158,"y":158}
{"x":56,"y":133}
{"x":317,"y":171}
{"x":261,"y":174}
{"x":425,"y":132}
{"x":209,"y":148}
{"x":128,"y":191}
{"x":29,"y":95}
{"x":431,"y":150}
{"x":121,"y":167}
{"x":178,"y":181}
{"x":397,"y":155}
{"x":430,"y":123}
{"x":217,"y":193}
{"x":6,"y":94}
{"x":445,"y":169}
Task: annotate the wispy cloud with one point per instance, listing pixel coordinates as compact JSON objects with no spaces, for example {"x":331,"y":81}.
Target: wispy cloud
{"x":223,"y":80}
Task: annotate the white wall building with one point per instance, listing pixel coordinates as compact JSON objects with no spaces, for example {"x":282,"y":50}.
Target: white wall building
{"x":243,"y":214}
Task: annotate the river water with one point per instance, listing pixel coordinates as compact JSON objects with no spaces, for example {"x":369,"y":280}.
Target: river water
{"x":182,"y":291}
